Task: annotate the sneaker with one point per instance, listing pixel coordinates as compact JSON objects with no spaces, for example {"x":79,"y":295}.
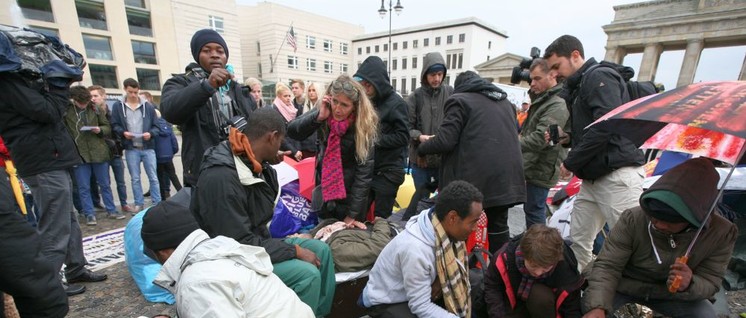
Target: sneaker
{"x":116,"y":215}
{"x":138,"y":208}
{"x":126,"y":208}
{"x":90,"y":220}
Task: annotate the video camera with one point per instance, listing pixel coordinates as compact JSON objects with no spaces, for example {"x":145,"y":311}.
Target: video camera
{"x":521,"y":72}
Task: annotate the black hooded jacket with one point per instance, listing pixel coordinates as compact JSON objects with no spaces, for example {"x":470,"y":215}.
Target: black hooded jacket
{"x":479,"y":143}
{"x":190,"y":102}
{"x":392,"y":117}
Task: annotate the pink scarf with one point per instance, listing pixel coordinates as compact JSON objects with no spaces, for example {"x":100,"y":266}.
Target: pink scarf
{"x":287,"y":111}
{"x":332,"y":176}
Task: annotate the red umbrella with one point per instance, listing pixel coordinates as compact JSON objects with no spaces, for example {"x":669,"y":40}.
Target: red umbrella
{"x":706,"y":119}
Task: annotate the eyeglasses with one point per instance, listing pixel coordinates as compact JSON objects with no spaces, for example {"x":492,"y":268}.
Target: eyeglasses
{"x":347,"y":87}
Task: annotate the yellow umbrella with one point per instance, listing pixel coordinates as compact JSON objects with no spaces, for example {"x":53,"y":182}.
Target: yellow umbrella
{"x":15,"y":184}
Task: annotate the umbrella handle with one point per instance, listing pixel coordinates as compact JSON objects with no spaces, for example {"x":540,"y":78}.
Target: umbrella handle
{"x":676,"y":283}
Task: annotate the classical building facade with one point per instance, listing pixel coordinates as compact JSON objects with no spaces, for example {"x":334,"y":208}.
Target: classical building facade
{"x":463,"y":43}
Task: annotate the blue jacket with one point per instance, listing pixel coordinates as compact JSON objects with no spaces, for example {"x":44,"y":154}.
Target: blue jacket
{"x":166,"y":145}
{"x":119,"y":123}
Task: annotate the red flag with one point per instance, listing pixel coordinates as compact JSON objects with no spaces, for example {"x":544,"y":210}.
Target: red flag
{"x":291,"y":39}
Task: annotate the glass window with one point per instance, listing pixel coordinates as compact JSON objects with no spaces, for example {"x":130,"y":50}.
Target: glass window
{"x":104,"y":75}
{"x":293,"y":62}
{"x":396,"y":46}
{"x":449,"y":39}
{"x":144,"y":52}
{"x":36,"y":10}
{"x":359,"y":51}
{"x":437,"y":40}
{"x":217,"y":24}
{"x":403,"y":86}
{"x":414,"y":62}
{"x":258,"y":48}
{"x":462,"y":38}
{"x":404,"y":45}
{"x":135,"y":3}
{"x":393,"y":83}
{"x":404,"y":63}
{"x":91,"y":15}
{"x":377,"y":49}
{"x":489,"y":45}
{"x":343,"y":48}
{"x":414,"y":84}
{"x":97,"y":47}
{"x":310,"y":42}
{"x":45,"y":31}
{"x":327,"y":45}
{"x":448,"y":61}
{"x":447,"y":80}
{"x":328,"y":67}
{"x":311,"y":65}
{"x":367,"y":50}
{"x":393,"y":64}
{"x":385,"y":47}
{"x":426,"y":42}
{"x":414,"y":43}
{"x":139,"y":23}
{"x":148,"y":79}
{"x":460,"y":60}
{"x":343,"y":67}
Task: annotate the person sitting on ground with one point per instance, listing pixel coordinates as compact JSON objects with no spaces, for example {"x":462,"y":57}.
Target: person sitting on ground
{"x":346,"y":124}
{"x":423,"y":271}
{"x":215,"y":277}
{"x":637,"y":262}
{"x":534,"y":275}
{"x":235,"y":197}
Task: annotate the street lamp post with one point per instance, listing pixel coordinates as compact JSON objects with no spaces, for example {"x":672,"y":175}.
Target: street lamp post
{"x":382,"y":12}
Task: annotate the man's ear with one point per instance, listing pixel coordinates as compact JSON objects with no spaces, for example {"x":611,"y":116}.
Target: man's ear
{"x":452,"y":217}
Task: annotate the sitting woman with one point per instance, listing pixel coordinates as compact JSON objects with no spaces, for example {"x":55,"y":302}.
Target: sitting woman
{"x":346,"y":124}
{"x":534,"y":275}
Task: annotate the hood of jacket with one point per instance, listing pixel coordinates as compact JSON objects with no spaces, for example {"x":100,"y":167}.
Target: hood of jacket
{"x":431,"y":59}
{"x":470,"y":82}
{"x":198,"y":247}
{"x":221,"y":155}
{"x":421,"y":228}
{"x":373,"y":71}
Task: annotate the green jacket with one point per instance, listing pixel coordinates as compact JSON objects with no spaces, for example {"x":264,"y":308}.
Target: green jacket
{"x":541,"y":162}
{"x":91,"y":146}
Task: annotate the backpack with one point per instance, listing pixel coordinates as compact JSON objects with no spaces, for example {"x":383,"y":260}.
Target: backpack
{"x":636,"y":89}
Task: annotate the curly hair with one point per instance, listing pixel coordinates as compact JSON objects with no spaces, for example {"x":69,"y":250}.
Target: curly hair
{"x":457,"y":196}
{"x":366,"y":119}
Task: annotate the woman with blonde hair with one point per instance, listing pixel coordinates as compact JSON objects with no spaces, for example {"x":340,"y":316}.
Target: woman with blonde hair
{"x":347,"y":128}
{"x":254,"y":87}
{"x":313,"y":95}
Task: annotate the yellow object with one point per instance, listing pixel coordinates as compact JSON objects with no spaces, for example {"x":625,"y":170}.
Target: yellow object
{"x":15,"y":184}
{"x":405,"y":192}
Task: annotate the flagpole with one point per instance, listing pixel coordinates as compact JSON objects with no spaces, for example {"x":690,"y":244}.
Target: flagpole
{"x":284,"y":39}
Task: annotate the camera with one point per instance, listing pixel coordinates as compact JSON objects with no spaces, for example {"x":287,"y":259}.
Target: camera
{"x":238,"y":122}
{"x":521,"y":72}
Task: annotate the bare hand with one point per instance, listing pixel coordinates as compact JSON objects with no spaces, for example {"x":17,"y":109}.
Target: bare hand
{"x":128,"y":135}
{"x":279,"y":157}
{"x":146,"y":136}
{"x":96,"y":130}
{"x":680,"y":269}
{"x":298,"y":155}
{"x":595,"y":313}
{"x":564,"y":173}
{"x":307,"y":256}
{"x":219,"y":77}
{"x":351,"y":223}
{"x":424,"y":138}
{"x":326,"y":108}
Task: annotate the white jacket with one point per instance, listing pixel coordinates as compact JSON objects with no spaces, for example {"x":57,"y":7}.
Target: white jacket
{"x":221,"y":278}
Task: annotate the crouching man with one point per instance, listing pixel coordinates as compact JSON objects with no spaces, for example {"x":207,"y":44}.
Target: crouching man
{"x":637,"y":263}
{"x":215,"y":277}
{"x":423,"y":271}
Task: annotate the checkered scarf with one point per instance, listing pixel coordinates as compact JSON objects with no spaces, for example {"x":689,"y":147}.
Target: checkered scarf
{"x":450,"y":263}
{"x":527,"y":281}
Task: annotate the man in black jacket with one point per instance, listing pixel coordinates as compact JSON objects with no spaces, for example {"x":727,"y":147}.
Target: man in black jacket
{"x":203,"y":100}
{"x":609,"y":164}
{"x":388,"y":171}
{"x":235,"y":197}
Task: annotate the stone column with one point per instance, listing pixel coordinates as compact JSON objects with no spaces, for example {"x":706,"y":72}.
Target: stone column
{"x":650,"y":58}
{"x":691,"y":60}
{"x":742,"y":76}
{"x":615,"y":54}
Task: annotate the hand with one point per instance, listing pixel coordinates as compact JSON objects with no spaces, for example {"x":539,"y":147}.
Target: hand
{"x":564,"y":173}
{"x":279,"y":157}
{"x":326,"y":108}
{"x":682,"y":270}
{"x":351,"y":223}
{"x":307,"y":256}
{"x":146,"y":136}
{"x":96,"y":130}
{"x":219,"y":77}
{"x":595,"y":313}
{"x":128,"y":135}
{"x":298,"y":155}
{"x":424,"y":138}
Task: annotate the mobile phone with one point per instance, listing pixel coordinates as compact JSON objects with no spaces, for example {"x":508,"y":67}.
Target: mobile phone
{"x":553,"y":134}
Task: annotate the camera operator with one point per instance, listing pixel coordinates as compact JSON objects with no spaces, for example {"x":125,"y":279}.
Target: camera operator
{"x":541,"y":161}
{"x":203,"y":100}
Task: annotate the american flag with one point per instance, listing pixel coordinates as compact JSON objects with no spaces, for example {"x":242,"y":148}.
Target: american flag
{"x":291,"y":40}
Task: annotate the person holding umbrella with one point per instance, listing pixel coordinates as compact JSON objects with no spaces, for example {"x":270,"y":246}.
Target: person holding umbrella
{"x":637,"y":264}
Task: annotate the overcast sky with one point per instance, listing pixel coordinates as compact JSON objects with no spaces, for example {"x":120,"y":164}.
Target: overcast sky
{"x":527,"y":23}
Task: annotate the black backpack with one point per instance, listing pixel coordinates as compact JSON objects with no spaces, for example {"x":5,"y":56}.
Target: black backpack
{"x":636,"y":89}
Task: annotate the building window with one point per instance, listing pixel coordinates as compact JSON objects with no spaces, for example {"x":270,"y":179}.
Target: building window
{"x":447,"y":80}
{"x":328,"y":67}
{"x":293,"y":62}
{"x":437,"y":40}
{"x":310,"y":42}
{"x":328,"y":46}
{"x":462,"y":38}
{"x":453,"y":60}
{"x":343,"y":67}
{"x":449,"y":39}
{"x":460,"y":60}
{"x":489,"y":45}
{"x":148,"y":79}
{"x":343,"y":48}
{"x":367,"y":50}
{"x":97,"y":47}
{"x":404,"y":45}
{"x":426,"y":42}
{"x":359,"y":51}
{"x":448,"y":61}
{"x":414,"y":43}
{"x":396,"y":46}
{"x":104,"y":75}
{"x":217,"y":24}
{"x":377,"y":49}
{"x":144,"y":52}
{"x":385,"y":47}
{"x":258,"y":48}
{"x":414,"y":62}
{"x":36,"y":10}
{"x":393,"y":64}
{"x":259,"y":68}
{"x":385,"y":64}
{"x":91,"y":15}
{"x":135,"y":3}
{"x":311,"y":65}
{"x":404,"y":63}
{"x":403,"y":86}
{"x":139,"y":22}
{"x":45,"y":31}
{"x":414,"y":84}
{"x":393,"y":83}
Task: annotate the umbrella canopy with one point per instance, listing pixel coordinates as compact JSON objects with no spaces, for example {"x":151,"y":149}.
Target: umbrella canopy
{"x":705,"y":119}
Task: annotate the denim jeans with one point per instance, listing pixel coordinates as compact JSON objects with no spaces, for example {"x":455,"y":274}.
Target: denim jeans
{"x":147,"y":157}
{"x":421,"y":176}
{"x":117,"y":167}
{"x":83,"y":174}
{"x":535,"y":206}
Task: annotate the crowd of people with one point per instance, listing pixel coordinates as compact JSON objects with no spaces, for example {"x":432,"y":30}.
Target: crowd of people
{"x":219,"y":258}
